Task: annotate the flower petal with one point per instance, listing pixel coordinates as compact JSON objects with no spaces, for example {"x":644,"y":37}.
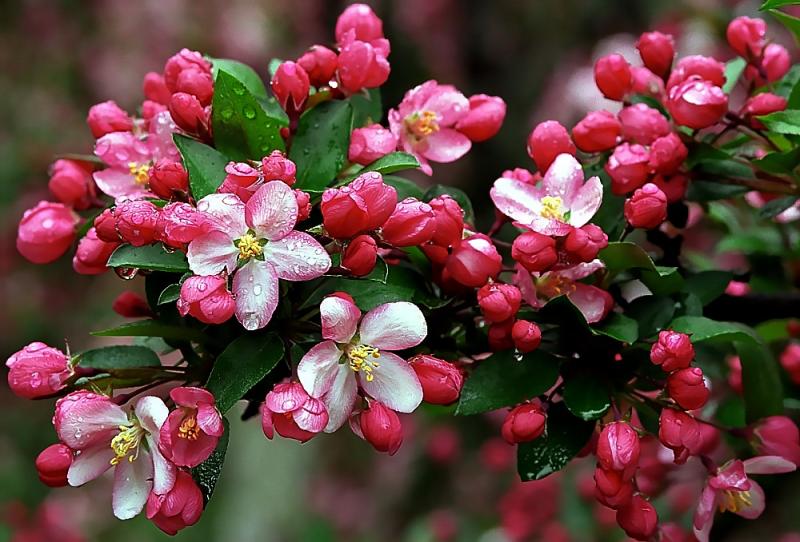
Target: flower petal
{"x":152,"y":413}
{"x":393,"y":326}
{"x":704,"y":515}
{"x":768,"y":464}
{"x":90,"y":464}
{"x":209,"y":420}
{"x":297,"y":256}
{"x":312,"y":416}
{"x":255,"y":287}
{"x":84,"y":419}
{"x":164,"y":472}
{"x":582,"y":270}
{"x":339,"y":319}
{"x":116,"y":183}
{"x":446,"y":101}
{"x":593,"y":302}
{"x":226,"y":212}
{"x":318,"y":368}
{"x":563,"y":179}
{"x":272,"y":210}
{"x":340,"y":397}
{"x":446,"y":145}
{"x":394,"y":384}
{"x":132,"y":485}
{"x":757,"y":502}
{"x":286,"y":397}
{"x":211,"y":253}
{"x":586,"y":203}
{"x":120,"y":149}
{"x":515,"y":199}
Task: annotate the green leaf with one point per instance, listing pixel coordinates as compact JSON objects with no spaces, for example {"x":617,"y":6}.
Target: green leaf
{"x":153,"y":328}
{"x":705,"y":329}
{"x":244,"y":125}
{"x":118,"y":357}
{"x":457,"y":194}
{"x":783,"y":122}
{"x":708,"y":285}
{"x":383,"y":285}
{"x":733,"y":70}
{"x":702,"y":191}
{"x":405,"y":188}
{"x":242,"y":365}
{"x":585,"y":396}
{"x":367,"y":108}
{"x":763,"y":393}
{"x":652,"y":313}
{"x":170,"y":294}
{"x":207,"y":473}
{"x":206,"y":165}
{"x":619,"y":327}
{"x":775,"y":207}
{"x":321,"y":143}
{"x":772,"y":4}
{"x":392,"y":162}
{"x":623,"y":256}
{"x":779,"y":163}
{"x":789,"y":21}
{"x":150,"y":257}
{"x":243,"y":73}
{"x":502,"y":380}
{"x":566,"y":436}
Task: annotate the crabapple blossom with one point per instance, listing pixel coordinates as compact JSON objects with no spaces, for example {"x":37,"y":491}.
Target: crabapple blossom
{"x":647,"y":207}
{"x":412,"y":223}
{"x":319,"y":63}
{"x":474,"y":261}
{"x":547,"y":141}
{"x":657,"y":51}
{"x":612,"y":74}
{"x":667,"y":154}
{"x":534,"y":251}
{"x":71,"y":183}
{"x":52,"y":465}
{"x":700,"y":67}
{"x":672,"y":350}
{"x":638,"y":518}
{"x":642,"y":124}
{"x":290,"y":411}
{"x":361,"y":21}
{"x":381,"y":427}
{"x":747,"y":36}
{"x":498,"y":301}
{"x":178,"y":223}
{"x":92,"y":254}
{"x":38,"y":370}
{"x":687,"y":387}
{"x":360,"y":255}
{"x":441,"y":381}
{"x":598,"y":131}
{"x":137,"y":222}
{"x":584,"y":243}
{"x":191,"y":431}
{"x":359,"y":207}
{"x":290,"y":85}
{"x":46,"y":232}
{"x":107,"y":117}
{"x":777,"y":435}
{"x":697,"y":103}
{"x":188,"y":113}
{"x":369,"y":143}
{"x":628,"y":166}
{"x":131,"y":305}
{"x":177,"y":509}
{"x":679,"y":432}
{"x":526,"y":336}
{"x":612,"y":488}
{"x":524,"y":423}
{"x":618,"y":448}
{"x":484,"y":119}
{"x":206,"y":298}
{"x":449,"y":217}
{"x":168,"y":180}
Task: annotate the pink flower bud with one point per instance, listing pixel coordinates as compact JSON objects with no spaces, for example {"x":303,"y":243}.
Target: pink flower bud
{"x":647,"y":207}
{"x":737,"y":288}
{"x":411,"y":224}
{"x":703,"y":67}
{"x":52,"y":465}
{"x":524,"y":423}
{"x":638,"y":518}
{"x":747,"y":36}
{"x":777,"y":435}
{"x":38,"y":370}
{"x":177,"y":509}
{"x":362,"y":206}
{"x":196,"y":82}
{"x":183,"y":60}
{"x":360,"y":66}
{"x":688,"y":388}
{"x":790,"y":361}
{"x":150,"y":109}
{"x":612,"y":488}
{"x":484,"y":119}
{"x":597,"y":131}
{"x":303,"y":205}
{"x":168,"y":179}
{"x":319,"y":63}
{"x":674,"y":187}
{"x":107,"y":117}
{"x":526,"y":336}
{"x":612,"y":74}
{"x":179,"y":223}
{"x":547,"y":140}
{"x":370,"y":143}
{"x":499,"y":335}
{"x":207,"y":299}
{"x":618,"y":448}
{"x":362,"y":21}
{"x":582,"y":244}
{"x":381,"y":427}
{"x":131,"y":305}
{"x":697,"y":103}
{"x":137,"y":222}
{"x":642,"y":124}
{"x":672,"y":351}
{"x":105,"y":225}
{"x":276,"y":167}
{"x":474,"y":261}
{"x":188,"y":113}
{"x":155,"y":89}
{"x":71,"y":183}
{"x":449,"y":220}
{"x":534,"y":251}
{"x":646,"y":83}
{"x":628,"y":167}
{"x":667,"y":154}
{"x":290,"y":84}
{"x":679,"y":432}
{"x":92,"y":254}
{"x":776,"y":62}
{"x":498,"y":301}
{"x":46,"y":232}
{"x":360,"y":255}
{"x":657,"y":51}
{"x":760,"y":104}
{"x":441,"y":381}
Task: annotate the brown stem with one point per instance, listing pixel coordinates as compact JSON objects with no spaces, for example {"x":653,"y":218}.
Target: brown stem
{"x":765,"y":185}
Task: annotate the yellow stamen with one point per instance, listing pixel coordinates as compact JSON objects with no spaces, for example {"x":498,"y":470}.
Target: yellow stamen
{"x":552,"y":207}
{"x":126,"y":443}
{"x":362,"y":359}
{"x":140,"y":172}
{"x":189,"y":429}
{"x":249,"y":247}
{"x":422,"y":124}
{"x":735,"y":501}
{"x":553,"y":285}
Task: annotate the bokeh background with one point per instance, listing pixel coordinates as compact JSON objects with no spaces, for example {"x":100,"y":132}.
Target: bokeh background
{"x":451,"y":480}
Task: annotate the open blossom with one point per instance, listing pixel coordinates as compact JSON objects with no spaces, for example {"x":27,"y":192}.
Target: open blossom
{"x":181,"y":507}
{"x":104,"y":435}
{"x":193,"y":429}
{"x":38,"y":370}
{"x":562,"y":201}
{"x":256,"y":241}
{"x":357,"y":353}
{"x":730,"y":490}
{"x":292,"y":412}
{"x":425,"y":121}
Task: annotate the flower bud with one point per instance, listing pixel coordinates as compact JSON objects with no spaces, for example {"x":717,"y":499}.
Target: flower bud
{"x":360,"y":255}
{"x":131,"y":305}
{"x":499,"y":335}
{"x":441,"y":381}
{"x":370,"y":143}
{"x":183,"y":60}
{"x":198,"y":83}
{"x":71,"y":183}
{"x":642,"y":124}
{"x":688,"y":388}
{"x":584,"y":243}
{"x":105,"y":225}
{"x":290,"y":84}
{"x":107,"y":117}
{"x":657,"y":51}
{"x":612,"y":488}
{"x":484,"y":119}
{"x":618,"y":448}
{"x":547,"y":140}
{"x":37,"y":370}
{"x":790,"y":360}
{"x":534,"y":251}
{"x":303,"y":205}
{"x":667,"y":154}
{"x":179,"y":223}
{"x":188,"y":113}
{"x":46,"y":232}
{"x":276,"y":167}
{"x":360,"y":66}
{"x":526,"y":336}
{"x":363,"y":205}
{"x":474,"y":261}
{"x":361,"y":21}
{"x":777,"y":435}
{"x":679,"y":432}
{"x":638,"y":518}
{"x":137,"y":222}
{"x":412,"y":223}
{"x":180,"y":507}
{"x":776,"y":62}
{"x":498,"y":301}
{"x":761,"y":104}
{"x":91,"y":257}
{"x":674,"y":187}
{"x":612,"y":74}
{"x":672,"y":351}
{"x":449,"y":218}
{"x":206,"y":298}
{"x":52,"y":465}
{"x":628,"y":167}
{"x":381,"y":427}
{"x":647,"y":83}
{"x":150,"y":109}
{"x":697,"y":103}
{"x":524,"y":423}
{"x":169,"y":180}
{"x":703,"y":67}
{"x":319,"y":63}
{"x":155,"y":89}
{"x":747,"y":36}
{"x":597,"y":131}
{"x":647,"y":207}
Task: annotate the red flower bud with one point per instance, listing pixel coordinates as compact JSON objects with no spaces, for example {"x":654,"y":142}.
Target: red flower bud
{"x":761,"y":104}
{"x":360,"y":255}
{"x":498,"y":301}
{"x":361,"y":21}
{"x":46,"y":232}
{"x":597,"y":131}
{"x":776,"y":63}
{"x":524,"y":423}
{"x":52,"y":465}
{"x":642,"y":124}
{"x":526,"y":336}
{"x":679,"y":432}
{"x":441,"y":381}
{"x":71,"y":183}
{"x":747,"y":36}
{"x":667,"y":154}
{"x":672,"y":351}
{"x":179,"y":223}
{"x":92,"y":254}
{"x":107,"y":117}
{"x":363,"y":205}
{"x":703,"y":67}
{"x":412,"y":223}
{"x":370,"y":143}
{"x":381,"y":427}
{"x":534,"y":251}
{"x":169,"y":180}
{"x":449,"y":220}
{"x":647,"y":83}
{"x":484,"y":119}
{"x":276,"y":167}
{"x":499,"y":335}
{"x":290,"y":84}
{"x":207,"y":299}
{"x":647,"y":207}
{"x":612,"y":74}
{"x":688,"y":388}
{"x":547,"y":140}
{"x":618,"y":448}
{"x":582,"y":244}
{"x":474,"y":261}
{"x":303,"y":205}
{"x":777,"y":435}
{"x":183,"y":60}
{"x":196,"y":82}
{"x":674,"y":187}
{"x":137,"y":222}
{"x":360,"y":66}
{"x":131,"y":305}
{"x":180,"y":507}
{"x":638,"y":518}
{"x":37,"y":371}
{"x":155,"y":89}
{"x":319,"y":63}
{"x":188,"y":113}
{"x":628,"y":167}
{"x":657,"y":51}
{"x":612,"y":488}
{"x":150,"y":109}
{"x":105,"y":225}
{"x":697,"y":103}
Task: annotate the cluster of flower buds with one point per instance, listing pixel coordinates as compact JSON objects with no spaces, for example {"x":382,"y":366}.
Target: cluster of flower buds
{"x":186,"y":89}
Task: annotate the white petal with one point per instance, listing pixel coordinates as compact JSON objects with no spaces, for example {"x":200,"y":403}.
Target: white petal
{"x":152,"y":413}
{"x":227,"y":212}
{"x":272,"y":210}
{"x":393,"y":326}
{"x":90,"y":464}
{"x":132,"y":485}
{"x":757,"y":502}
{"x":297,"y":256}
{"x":394,"y":383}
{"x":317,"y":370}
{"x":515,"y":199}
{"x":211,"y":253}
{"x":255,"y":287}
{"x":339,"y":319}
{"x":164,"y":472}
{"x":563,"y":178}
{"x":340,"y":398}
{"x":586,"y":203}
{"x":768,"y":464}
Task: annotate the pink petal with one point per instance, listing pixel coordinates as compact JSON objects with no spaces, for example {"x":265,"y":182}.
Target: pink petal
{"x":255,"y":287}
{"x":731,"y":477}
{"x":297,"y":256}
{"x":515,"y":199}
{"x":339,"y":319}
{"x":757,"y":502}
{"x":312,"y":416}
{"x":85,"y":419}
{"x":209,"y":420}
{"x":160,"y":138}
{"x":319,"y":367}
{"x":272,"y":210}
{"x":90,"y":464}
{"x":768,"y":464}
{"x":340,"y":397}
{"x":586,"y":203}
{"x":448,"y":103}
{"x":591,"y":301}
{"x":704,"y":516}
{"x":286,"y":397}
{"x":119,"y":149}
{"x":394,"y":383}
{"x":226,"y":212}
{"x":117,"y":182}
{"x":212,"y":253}
{"x":164,"y":472}
{"x":446,"y":145}
{"x":190,"y":396}
{"x":393,"y":326}
{"x":132,"y":485}
{"x":151,"y":413}
{"x":563,"y":179}
{"x":582,"y":270}
{"x":524,"y":281}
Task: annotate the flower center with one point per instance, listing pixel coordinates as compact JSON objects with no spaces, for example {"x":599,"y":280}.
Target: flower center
{"x":362,"y":359}
{"x":126,"y":443}
{"x":552,"y":207}
{"x":188,"y":428}
{"x":422,"y":124}
{"x":249,"y":247}
{"x":734,"y":501}
{"x":140,"y":172}
{"x":554,"y":285}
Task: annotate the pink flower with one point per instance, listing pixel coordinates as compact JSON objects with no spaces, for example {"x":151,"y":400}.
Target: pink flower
{"x":498,"y":301}
{"x":107,"y":117}
{"x":357,"y":355}
{"x":777,"y":435}
{"x":38,"y":370}
{"x":597,"y":131}
{"x":193,"y":429}
{"x":92,"y":254}
{"x":258,"y":243}
{"x":425,"y":123}
{"x":473,"y":261}
{"x":526,"y":336}
{"x":319,"y":62}
{"x":731,"y":490}
{"x":181,"y":507}
{"x":178,"y":223}
{"x":104,"y":436}
{"x":361,"y":206}
{"x":697,"y":103}
{"x":642,"y":124}
{"x":441,"y":381}
{"x":657,"y":51}
{"x":131,"y":155}
{"x":290,"y":85}
{"x":71,"y":183}
{"x":747,"y":36}
{"x":206,"y":298}
{"x":612,"y":74}
{"x":360,"y":255}
{"x":485,"y":117}
{"x":46,"y":232}
{"x":562,"y":201}
{"x":292,"y":412}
